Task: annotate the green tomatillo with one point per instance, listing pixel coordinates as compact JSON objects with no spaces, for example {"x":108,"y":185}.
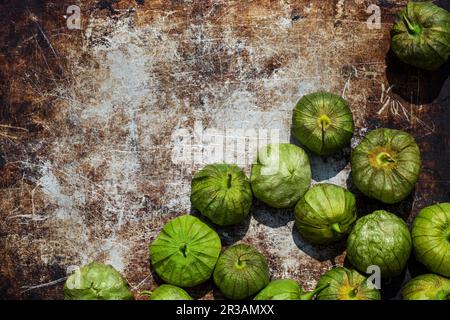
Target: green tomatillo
{"x":96,"y":281}
{"x":323,"y":122}
{"x":346,"y":284}
{"x":379,"y":239}
{"x":185,"y":252}
{"x":421,"y":35}
{"x":386,"y":165}
{"x":167,"y":292}
{"x":427,"y":287}
{"x":325,"y":214}
{"x":431,"y":238}
{"x":241,"y":271}
{"x":222,"y":193}
{"x":281,"y":175}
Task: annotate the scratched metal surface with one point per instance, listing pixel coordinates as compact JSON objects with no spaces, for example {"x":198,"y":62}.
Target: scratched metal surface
{"x":87,"y":117}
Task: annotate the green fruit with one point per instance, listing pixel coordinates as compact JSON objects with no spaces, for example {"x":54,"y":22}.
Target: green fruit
{"x":96,"y":281}
{"x":168,"y":292}
{"x":222,"y":193}
{"x":323,"y":122}
{"x":286,"y":289}
{"x":346,"y":284}
{"x":381,"y":239}
{"x":185,"y":252}
{"x":241,"y":272}
{"x":427,"y":287}
{"x":386,"y":165}
{"x":431,"y":238}
{"x":281,"y":175}
{"x":421,"y":35}
{"x":325,"y":214}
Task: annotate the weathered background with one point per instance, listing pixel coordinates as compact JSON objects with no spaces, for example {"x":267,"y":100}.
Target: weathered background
{"x":87,"y":116}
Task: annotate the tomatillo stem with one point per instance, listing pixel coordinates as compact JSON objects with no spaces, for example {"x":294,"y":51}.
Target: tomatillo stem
{"x":230,"y":177}
{"x":311,"y":294}
{"x":336,"y":227}
{"x":324,"y":122}
{"x":240,"y":264}
{"x":384,"y":158}
{"x":353,"y":293}
{"x":412,"y":28}
{"x":183,"y":249}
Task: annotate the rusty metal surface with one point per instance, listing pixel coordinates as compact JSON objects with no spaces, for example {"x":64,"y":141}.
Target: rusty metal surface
{"x":87,"y":116}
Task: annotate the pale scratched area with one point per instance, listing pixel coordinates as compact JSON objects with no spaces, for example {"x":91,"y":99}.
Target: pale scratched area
{"x":106,"y":183}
